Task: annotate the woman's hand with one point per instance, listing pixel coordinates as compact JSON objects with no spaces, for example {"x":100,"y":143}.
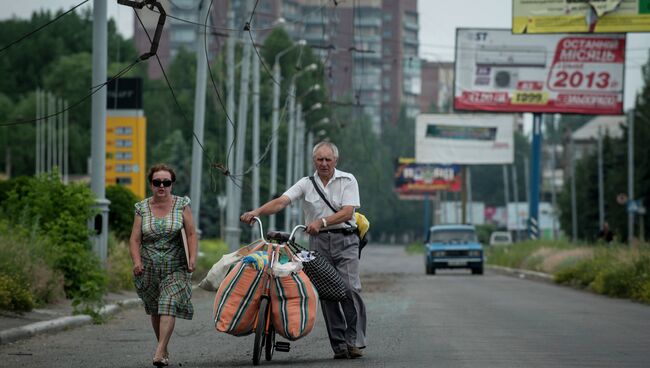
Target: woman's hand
{"x":192,"y":266}
{"x":138,"y":269}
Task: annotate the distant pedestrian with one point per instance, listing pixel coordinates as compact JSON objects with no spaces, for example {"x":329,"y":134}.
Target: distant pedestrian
{"x":161,"y":269}
{"x":605,"y":234}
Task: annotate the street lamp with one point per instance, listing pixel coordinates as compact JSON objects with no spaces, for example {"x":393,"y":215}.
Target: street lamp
{"x":292,"y":124}
{"x":276,"y":123}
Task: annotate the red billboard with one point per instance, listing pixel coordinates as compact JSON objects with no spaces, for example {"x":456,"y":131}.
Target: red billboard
{"x":501,"y":72}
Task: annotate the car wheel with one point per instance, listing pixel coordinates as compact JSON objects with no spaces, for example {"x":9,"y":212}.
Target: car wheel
{"x":430,"y":269}
{"x":477,"y":270}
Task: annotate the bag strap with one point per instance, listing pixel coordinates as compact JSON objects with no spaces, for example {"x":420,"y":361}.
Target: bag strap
{"x":320,"y":193}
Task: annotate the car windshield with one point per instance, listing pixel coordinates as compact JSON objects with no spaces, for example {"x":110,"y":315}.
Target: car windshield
{"x":453,"y":236}
{"x":501,"y":238}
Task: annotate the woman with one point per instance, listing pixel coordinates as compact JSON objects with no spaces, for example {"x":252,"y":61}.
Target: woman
{"x":161,"y":270}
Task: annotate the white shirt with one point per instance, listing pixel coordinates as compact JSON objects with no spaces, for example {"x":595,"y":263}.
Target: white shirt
{"x":341,"y":190}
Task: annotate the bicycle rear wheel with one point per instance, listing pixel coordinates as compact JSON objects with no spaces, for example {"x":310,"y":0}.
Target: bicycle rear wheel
{"x":260,"y":331}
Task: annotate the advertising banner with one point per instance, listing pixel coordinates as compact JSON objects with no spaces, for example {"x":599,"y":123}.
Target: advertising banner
{"x":412,"y":178}
{"x":501,"y":72}
{"x":464,"y":139}
{"x":580,"y":16}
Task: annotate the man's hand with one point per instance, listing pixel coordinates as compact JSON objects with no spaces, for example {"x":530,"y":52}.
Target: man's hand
{"x":314,"y":227}
{"x":247,"y":217}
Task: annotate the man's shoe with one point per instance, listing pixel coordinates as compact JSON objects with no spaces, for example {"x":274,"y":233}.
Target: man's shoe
{"x":342,"y":355}
{"x":354,"y":352}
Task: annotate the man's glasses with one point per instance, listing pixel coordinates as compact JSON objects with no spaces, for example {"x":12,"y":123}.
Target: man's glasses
{"x":166,"y":183}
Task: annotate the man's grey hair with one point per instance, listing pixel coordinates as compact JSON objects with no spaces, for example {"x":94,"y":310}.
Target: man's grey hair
{"x":331,"y":145}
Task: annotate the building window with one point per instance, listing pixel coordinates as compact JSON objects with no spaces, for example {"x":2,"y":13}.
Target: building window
{"x":123,"y":168}
{"x":124,"y":130}
{"x":123,"y":155}
{"x":124,"y":143}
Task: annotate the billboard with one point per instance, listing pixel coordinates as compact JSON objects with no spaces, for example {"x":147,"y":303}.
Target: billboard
{"x":501,"y":72}
{"x":412,"y":178}
{"x":464,"y":139}
{"x":126,"y":151}
{"x":595,"y":16}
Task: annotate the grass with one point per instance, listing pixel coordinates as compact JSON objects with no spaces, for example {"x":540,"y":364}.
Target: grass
{"x":415,"y":248}
{"x":613,"y":270}
{"x":210,"y":252}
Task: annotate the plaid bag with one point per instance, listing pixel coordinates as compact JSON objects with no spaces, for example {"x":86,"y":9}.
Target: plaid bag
{"x":323,"y":275}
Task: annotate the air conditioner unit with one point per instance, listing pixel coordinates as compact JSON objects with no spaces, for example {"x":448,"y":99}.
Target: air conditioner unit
{"x":511,"y":57}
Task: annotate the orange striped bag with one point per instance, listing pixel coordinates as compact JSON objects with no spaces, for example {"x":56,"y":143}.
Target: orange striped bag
{"x":238,"y":299}
{"x":294,"y":303}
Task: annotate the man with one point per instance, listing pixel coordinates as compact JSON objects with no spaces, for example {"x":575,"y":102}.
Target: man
{"x":331,"y":234}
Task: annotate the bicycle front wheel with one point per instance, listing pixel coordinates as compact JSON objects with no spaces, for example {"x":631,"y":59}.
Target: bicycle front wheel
{"x":260,"y":331}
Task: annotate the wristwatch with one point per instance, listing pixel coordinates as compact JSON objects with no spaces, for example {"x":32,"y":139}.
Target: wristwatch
{"x":324,"y":222}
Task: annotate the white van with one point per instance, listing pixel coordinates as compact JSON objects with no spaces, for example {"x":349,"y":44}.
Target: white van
{"x":500,"y":238}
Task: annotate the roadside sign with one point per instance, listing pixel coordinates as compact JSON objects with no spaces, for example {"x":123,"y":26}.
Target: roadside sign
{"x":633,"y":206}
{"x":552,"y":73}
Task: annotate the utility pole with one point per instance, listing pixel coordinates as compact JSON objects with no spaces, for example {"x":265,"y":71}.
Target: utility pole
{"x":630,"y":174}
{"x":506,"y":190}
{"x":556,"y":119}
{"x":199,"y":115}
{"x":98,"y":131}
{"x":515,"y":192}
{"x":256,"y":137}
{"x":533,"y":193}
{"x":37,"y":163}
{"x":232,"y":223}
{"x":601,"y":181}
{"x":66,"y":145}
{"x":470,"y":204}
{"x":574,"y":206}
{"x":242,"y":118}
{"x":275,"y":123}
{"x":291,"y":130}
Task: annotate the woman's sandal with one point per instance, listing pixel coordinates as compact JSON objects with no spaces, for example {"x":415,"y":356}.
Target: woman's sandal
{"x":162,"y":362}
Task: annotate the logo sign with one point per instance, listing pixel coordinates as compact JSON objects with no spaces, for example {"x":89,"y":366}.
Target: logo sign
{"x":412,"y":178}
{"x":581,"y":16}
{"x":501,"y":72}
{"x":467,"y":139}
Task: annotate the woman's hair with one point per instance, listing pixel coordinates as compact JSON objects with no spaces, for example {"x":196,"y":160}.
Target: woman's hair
{"x":161,"y":167}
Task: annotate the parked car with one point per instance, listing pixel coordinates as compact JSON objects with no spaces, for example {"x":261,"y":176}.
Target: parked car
{"x":500,"y":238}
{"x":453,"y":246}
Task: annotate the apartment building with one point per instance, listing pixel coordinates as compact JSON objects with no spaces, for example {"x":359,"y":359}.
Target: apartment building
{"x":369,"y":47}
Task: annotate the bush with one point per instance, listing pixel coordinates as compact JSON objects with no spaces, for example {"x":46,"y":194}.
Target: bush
{"x":119,"y":265}
{"x":59,"y":213}
{"x":24,"y":261}
{"x":120,"y":217}
{"x":14,"y":295}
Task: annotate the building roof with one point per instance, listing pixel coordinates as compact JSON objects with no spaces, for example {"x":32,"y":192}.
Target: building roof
{"x":609,"y":124}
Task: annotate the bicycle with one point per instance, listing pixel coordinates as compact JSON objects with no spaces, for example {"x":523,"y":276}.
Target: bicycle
{"x":264,"y":329}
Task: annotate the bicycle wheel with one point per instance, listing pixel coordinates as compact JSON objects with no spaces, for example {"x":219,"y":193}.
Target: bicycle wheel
{"x":260,"y":331}
{"x":270,"y":343}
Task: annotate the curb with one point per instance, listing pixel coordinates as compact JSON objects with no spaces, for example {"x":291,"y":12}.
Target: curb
{"x":62,"y":323}
{"x":522,"y":274}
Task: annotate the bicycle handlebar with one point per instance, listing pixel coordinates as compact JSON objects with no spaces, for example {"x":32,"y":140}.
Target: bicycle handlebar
{"x":257,"y":219}
{"x":293,"y":232}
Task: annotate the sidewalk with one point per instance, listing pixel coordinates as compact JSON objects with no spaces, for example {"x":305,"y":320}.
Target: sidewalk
{"x":57,"y":317}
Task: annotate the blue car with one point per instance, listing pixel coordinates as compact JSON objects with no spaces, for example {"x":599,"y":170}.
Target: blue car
{"x":453,"y":246}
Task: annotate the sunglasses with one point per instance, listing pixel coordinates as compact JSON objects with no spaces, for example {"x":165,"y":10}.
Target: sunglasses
{"x":166,"y":183}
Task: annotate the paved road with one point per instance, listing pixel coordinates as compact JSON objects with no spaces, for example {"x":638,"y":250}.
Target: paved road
{"x":452,"y":319}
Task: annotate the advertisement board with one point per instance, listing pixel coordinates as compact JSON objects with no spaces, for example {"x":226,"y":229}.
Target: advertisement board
{"x":412,"y":178}
{"x":501,"y":72}
{"x":595,"y":16}
{"x":464,"y":139}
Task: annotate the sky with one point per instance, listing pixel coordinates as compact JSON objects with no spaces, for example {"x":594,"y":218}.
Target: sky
{"x":438,"y":22}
